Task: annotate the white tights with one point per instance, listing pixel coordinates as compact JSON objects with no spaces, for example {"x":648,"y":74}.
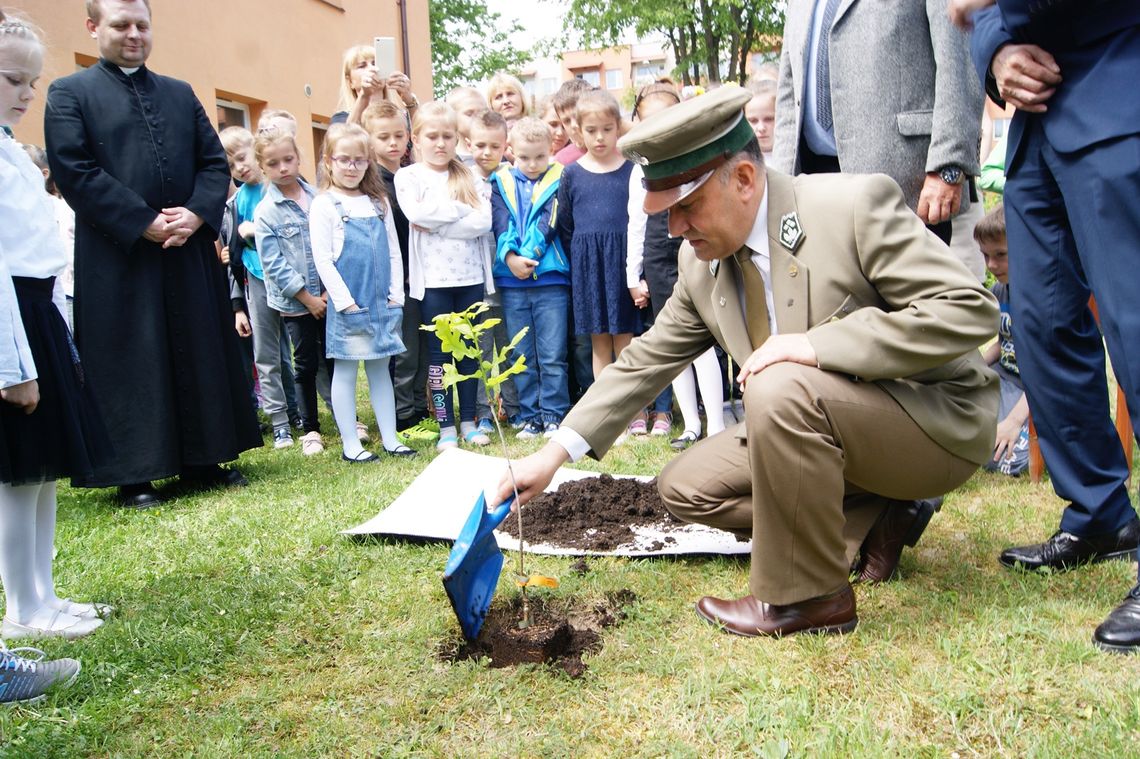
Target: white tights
{"x":27,"y":542}
{"x":344,"y":403}
{"x":712,"y":392}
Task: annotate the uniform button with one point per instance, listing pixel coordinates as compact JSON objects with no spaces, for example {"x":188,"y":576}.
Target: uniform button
{"x":722,"y":302}
{"x":793,"y":270}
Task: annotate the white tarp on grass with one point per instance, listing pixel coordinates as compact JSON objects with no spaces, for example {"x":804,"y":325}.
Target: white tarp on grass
{"x":437,"y":503}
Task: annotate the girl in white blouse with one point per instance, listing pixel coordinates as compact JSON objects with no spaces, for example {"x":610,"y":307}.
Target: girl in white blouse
{"x":449,"y":268}
{"x":48,"y":425}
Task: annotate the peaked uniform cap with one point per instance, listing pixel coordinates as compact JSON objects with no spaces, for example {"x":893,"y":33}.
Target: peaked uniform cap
{"x":680,"y":147}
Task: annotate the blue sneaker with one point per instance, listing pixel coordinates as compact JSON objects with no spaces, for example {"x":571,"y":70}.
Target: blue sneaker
{"x":24,"y":680}
{"x":530,"y":430}
{"x":549,"y":429}
{"x":486,"y":426}
{"x":517,"y":422}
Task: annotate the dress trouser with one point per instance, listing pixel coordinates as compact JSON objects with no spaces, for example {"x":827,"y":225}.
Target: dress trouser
{"x":1073,"y":227}
{"x":824,"y":456}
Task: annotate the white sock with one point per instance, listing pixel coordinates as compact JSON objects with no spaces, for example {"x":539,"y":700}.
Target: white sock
{"x":383,"y":400}
{"x":344,"y":406}
{"x":712,"y":390}
{"x":685,"y":391}
{"x":17,"y":551}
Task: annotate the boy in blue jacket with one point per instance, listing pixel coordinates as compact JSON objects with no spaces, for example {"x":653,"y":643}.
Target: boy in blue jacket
{"x":532,"y":273}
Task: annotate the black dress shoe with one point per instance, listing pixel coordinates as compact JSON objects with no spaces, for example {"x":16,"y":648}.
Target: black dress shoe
{"x":1064,"y":550}
{"x":1120,"y":631}
{"x":901,"y":524}
{"x":141,"y":495}
{"x":364,"y":457}
{"x":212,"y":476}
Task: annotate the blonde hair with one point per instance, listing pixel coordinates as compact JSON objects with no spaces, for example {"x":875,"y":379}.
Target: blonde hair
{"x":267,"y":138}
{"x":269,"y":114}
{"x":377,"y":111}
{"x":370,"y":184}
{"x":501,"y":82}
{"x":530,"y":129}
{"x":235,"y":138}
{"x":460,"y":181}
{"x":459,"y":94}
{"x":598,"y":101}
{"x":17,"y":28}
{"x":95,"y":10}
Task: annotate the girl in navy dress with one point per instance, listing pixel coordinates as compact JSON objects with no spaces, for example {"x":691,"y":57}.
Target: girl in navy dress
{"x":593,"y":221}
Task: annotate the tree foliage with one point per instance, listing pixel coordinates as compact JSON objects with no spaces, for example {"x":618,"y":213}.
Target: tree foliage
{"x":709,"y":37}
{"x":469,"y":43}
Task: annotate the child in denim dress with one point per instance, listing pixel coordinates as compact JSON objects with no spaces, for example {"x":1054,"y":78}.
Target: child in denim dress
{"x":357,"y":256}
{"x":292,"y":287}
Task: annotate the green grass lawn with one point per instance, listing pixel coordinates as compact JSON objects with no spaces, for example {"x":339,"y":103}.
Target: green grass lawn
{"x":248,"y":627}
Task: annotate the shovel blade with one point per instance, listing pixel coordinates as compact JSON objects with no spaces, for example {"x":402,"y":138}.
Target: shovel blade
{"x":473,"y":568}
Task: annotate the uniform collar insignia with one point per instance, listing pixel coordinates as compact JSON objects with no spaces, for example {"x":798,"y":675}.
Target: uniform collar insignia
{"x":791,"y":233}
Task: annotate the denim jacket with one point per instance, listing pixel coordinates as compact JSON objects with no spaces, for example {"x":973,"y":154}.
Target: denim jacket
{"x":282,"y":232}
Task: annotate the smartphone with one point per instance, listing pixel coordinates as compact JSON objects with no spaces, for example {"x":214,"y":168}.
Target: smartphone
{"x":385,"y":55}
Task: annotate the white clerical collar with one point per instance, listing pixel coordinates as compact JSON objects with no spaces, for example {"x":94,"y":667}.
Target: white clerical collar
{"x":128,"y":71}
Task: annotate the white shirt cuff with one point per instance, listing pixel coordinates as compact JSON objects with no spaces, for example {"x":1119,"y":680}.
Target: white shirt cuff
{"x":574,"y":443}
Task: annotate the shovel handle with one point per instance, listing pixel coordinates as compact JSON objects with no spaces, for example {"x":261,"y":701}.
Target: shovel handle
{"x":500,"y":512}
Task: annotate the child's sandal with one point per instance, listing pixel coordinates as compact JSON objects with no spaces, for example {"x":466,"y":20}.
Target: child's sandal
{"x":400,"y":450}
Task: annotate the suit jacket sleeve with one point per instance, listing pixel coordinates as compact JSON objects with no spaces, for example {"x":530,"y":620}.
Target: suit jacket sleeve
{"x":97,"y":197}
{"x":650,"y":363}
{"x":787,"y":114}
{"x":933,"y":309}
{"x":988,"y":36}
{"x":958,"y":98}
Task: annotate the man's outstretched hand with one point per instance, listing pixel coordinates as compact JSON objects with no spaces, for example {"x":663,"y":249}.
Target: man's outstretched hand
{"x":532,"y":474}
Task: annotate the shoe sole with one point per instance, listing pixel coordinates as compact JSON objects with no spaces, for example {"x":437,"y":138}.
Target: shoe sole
{"x":1126,"y":553}
{"x":922,"y":521}
{"x":840,"y":629}
{"x":1113,"y":648}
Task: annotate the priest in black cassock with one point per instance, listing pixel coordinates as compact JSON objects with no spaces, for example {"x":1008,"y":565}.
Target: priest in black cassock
{"x":136,"y":157}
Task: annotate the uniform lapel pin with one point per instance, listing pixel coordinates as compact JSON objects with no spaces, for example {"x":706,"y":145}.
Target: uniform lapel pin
{"x":791,"y":233}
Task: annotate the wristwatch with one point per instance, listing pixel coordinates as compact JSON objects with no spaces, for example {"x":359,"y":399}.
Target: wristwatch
{"x":951,"y":174}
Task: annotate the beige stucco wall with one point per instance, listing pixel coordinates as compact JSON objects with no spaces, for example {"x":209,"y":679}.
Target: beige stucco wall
{"x":262,"y":52}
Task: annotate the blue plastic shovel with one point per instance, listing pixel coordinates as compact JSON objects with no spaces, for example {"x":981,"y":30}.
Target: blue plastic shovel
{"x":474,"y":565}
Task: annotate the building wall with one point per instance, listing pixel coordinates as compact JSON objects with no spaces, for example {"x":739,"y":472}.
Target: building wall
{"x":263,"y":53}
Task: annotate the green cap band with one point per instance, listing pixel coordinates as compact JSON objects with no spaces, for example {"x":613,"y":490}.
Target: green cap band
{"x":658,"y":174}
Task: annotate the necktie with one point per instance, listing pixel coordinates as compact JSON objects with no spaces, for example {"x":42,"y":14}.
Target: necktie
{"x":755,"y":300}
{"x":823,"y":67}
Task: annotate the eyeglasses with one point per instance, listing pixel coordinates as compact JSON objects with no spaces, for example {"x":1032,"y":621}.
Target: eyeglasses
{"x":345,"y":162}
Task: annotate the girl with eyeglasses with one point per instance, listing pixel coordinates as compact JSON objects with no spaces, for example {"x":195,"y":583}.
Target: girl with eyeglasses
{"x":449,"y":267}
{"x":357,"y":255}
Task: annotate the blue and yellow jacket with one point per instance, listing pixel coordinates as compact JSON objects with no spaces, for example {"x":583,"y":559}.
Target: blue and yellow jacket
{"x":534,"y":237}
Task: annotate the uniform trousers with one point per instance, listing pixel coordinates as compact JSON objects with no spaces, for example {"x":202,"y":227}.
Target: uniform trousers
{"x":806,"y":475}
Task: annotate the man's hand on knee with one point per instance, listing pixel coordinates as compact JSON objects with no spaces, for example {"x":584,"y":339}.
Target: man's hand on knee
{"x":794,"y":348}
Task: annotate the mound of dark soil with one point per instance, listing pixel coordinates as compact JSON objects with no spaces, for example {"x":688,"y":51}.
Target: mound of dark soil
{"x":595,"y":513}
{"x":558,"y":635}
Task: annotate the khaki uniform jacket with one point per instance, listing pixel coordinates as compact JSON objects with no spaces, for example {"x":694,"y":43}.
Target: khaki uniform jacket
{"x":879,"y":296}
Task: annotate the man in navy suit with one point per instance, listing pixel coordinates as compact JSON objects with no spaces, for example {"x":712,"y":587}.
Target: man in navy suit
{"x":1072,"y":201}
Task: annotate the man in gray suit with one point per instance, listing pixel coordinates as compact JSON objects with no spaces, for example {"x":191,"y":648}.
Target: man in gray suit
{"x":885,"y":88}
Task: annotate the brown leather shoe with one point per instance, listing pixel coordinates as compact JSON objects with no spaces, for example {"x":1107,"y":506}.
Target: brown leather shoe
{"x":901,"y":524}
{"x":833,"y":613}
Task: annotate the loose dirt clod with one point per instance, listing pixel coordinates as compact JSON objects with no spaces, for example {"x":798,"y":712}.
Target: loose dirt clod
{"x":559,"y":634}
{"x":595,"y":513}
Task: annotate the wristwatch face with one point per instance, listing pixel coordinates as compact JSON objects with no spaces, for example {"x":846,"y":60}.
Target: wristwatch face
{"x":951,"y":174}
